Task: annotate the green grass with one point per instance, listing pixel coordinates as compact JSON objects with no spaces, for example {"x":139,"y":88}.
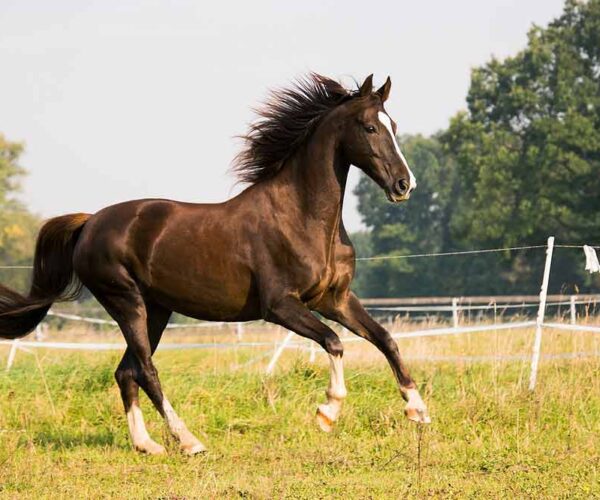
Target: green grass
{"x":490,"y":437}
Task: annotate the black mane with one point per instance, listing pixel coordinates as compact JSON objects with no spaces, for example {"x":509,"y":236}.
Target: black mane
{"x":284,"y":122}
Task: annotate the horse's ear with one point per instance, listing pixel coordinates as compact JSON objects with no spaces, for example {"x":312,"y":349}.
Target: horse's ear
{"x":384,"y":91}
{"x":367,"y":87}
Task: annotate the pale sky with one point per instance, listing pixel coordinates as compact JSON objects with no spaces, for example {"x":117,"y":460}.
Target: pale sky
{"x":119,"y":100}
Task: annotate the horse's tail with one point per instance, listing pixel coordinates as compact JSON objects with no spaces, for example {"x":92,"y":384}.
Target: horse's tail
{"x":53,"y":277}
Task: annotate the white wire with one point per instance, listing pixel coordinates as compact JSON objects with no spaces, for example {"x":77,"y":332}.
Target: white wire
{"x":444,"y":254}
{"x":418,"y":255}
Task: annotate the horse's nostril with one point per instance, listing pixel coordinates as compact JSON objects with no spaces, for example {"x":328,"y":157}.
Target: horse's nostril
{"x":402,"y":187}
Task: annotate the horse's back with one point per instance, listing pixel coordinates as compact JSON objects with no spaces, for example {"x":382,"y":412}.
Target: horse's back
{"x":188,"y":257}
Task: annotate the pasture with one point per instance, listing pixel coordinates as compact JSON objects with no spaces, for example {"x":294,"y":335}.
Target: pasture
{"x":63,"y":432}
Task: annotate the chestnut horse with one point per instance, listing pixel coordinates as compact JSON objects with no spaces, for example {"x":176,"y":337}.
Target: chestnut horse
{"x":275,"y":252}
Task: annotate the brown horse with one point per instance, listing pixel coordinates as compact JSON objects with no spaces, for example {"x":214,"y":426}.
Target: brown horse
{"x":276,"y":252}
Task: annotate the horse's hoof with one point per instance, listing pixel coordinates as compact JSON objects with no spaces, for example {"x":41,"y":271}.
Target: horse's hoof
{"x":193,"y":449}
{"x":151,"y":448}
{"x":419,"y":415}
{"x":325,"y":423}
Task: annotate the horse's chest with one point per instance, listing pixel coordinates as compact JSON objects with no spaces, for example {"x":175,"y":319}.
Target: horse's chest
{"x":329,"y":277}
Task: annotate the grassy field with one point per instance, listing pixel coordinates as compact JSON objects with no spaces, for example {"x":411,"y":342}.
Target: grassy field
{"x":63,"y":433}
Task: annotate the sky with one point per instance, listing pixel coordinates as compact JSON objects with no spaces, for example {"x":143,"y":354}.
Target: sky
{"x":119,"y":100}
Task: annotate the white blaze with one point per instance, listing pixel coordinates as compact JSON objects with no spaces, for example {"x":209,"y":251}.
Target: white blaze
{"x":387,"y":123}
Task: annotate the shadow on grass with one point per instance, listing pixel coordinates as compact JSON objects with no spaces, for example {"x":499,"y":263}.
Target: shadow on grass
{"x":71,"y":440}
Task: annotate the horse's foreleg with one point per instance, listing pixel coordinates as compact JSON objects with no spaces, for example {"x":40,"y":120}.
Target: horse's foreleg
{"x":350,"y":313}
{"x":328,"y":413}
{"x":294,"y":315}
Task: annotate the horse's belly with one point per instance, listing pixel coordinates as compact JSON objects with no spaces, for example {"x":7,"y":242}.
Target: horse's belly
{"x":211,"y":292}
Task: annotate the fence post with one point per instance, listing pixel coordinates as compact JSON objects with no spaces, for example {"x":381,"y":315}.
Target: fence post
{"x":239,"y":330}
{"x":313,"y":351}
{"x":573,"y":310}
{"x":11,"y":354}
{"x":278,"y":352}
{"x":537,"y":343}
{"x":455,"y":312}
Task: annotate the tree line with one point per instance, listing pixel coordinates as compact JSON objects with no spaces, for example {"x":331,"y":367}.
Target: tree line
{"x":521,"y":163}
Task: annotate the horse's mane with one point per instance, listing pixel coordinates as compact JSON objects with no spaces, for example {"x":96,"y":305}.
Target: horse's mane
{"x":284,"y":122}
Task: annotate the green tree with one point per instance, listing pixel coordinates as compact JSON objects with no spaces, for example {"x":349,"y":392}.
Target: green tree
{"x":419,"y":226}
{"x":520,"y":164}
{"x":528,"y":148}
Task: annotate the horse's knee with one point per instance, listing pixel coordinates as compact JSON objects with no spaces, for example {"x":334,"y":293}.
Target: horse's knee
{"x":333,"y":345}
{"x":146,"y":374}
{"x":124,"y":375}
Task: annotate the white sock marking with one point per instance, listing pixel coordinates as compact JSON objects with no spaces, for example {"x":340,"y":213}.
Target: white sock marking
{"x":179,"y":429}
{"x":415,"y":400}
{"x":337,"y":386}
{"x":137,"y":428}
{"x":387,"y":123}
{"x":173,"y":421}
{"x":336,"y":391}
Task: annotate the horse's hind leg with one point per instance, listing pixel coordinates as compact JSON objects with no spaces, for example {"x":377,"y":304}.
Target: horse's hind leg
{"x":157,"y":318}
{"x":128,"y":308}
{"x":140,"y":438}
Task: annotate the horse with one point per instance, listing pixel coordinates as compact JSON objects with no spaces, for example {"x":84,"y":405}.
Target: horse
{"x":276,"y":252}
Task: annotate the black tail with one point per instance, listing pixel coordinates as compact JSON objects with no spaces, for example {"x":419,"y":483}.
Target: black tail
{"x":53,"y":277}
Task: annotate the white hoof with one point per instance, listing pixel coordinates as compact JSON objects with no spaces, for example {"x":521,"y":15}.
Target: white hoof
{"x":415,"y":408}
{"x":193,"y":449}
{"x":421,"y":416}
{"x":324,"y":422}
{"x":150,"y":448}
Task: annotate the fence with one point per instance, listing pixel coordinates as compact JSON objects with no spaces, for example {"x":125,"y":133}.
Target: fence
{"x":455,"y":305}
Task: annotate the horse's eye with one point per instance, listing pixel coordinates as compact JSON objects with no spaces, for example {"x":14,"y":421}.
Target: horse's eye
{"x":370,"y":129}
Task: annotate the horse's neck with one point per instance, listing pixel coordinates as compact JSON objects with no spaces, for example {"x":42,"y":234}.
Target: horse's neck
{"x":315,"y":179}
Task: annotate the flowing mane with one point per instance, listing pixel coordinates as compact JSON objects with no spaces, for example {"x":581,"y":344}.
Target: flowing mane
{"x":284,"y":122}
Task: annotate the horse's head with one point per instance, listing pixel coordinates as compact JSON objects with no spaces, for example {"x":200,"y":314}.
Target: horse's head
{"x":369,"y":142}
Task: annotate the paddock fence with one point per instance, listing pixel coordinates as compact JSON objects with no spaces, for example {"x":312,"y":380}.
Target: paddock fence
{"x":459,"y":316}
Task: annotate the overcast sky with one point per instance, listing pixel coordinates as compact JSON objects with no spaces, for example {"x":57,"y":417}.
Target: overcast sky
{"x":118,"y":100}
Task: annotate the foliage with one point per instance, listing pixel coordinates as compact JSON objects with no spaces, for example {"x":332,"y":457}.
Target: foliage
{"x":18,"y":227}
{"x":522,"y":163}
{"x":420,"y":226}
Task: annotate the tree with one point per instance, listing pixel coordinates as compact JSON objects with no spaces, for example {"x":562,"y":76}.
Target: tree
{"x":520,"y":164}
{"x":419,"y":226}
{"x":18,"y":227}
{"x":528,"y":148}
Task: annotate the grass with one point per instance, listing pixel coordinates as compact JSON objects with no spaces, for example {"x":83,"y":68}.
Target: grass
{"x":63,"y":433}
